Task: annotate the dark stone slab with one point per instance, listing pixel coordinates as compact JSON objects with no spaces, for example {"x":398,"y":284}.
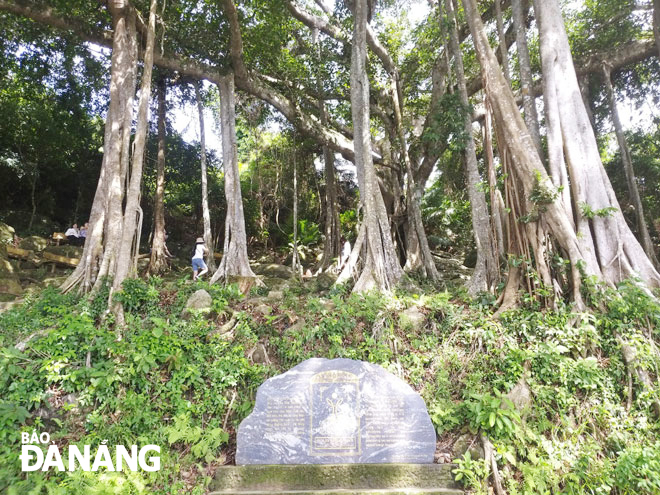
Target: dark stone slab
{"x":336,"y":411}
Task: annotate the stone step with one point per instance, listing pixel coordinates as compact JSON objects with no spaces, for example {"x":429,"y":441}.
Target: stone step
{"x":365,"y":491}
{"x":340,"y":479}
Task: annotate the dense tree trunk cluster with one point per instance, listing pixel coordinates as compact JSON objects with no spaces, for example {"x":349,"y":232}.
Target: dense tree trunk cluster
{"x":567,"y":209}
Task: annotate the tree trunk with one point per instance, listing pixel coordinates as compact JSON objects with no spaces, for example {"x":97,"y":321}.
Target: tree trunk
{"x":526,"y":81}
{"x":35,"y":176}
{"x":504,"y":55}
{"x":496,"y":201}
{"x":332,"y":241}
{"x":485,"y":275}
{"x":381,"y":267}
{"x":206,"y":215}
{"x":656,"y":24}
{"x":557,"y":165}
{"x":418,"y":252}
{"x":158,"y":259}
{"x":608,"y":245}
{"x":126,"y":262}
{"x":633,"y":191}
{"x":295,"y":260}
{"x":514,"y":140}
{"x":105,"y":216}
{"x":235,"y":260}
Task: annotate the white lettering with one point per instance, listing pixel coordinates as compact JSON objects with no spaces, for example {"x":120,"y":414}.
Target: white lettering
{"x":26,"y":457}
{"x":53,"y":459}
{"x":44,"y":437}
{"x":155,"y":461}
{"x":103,"y":458}
{"x":131,"y":459}
{"x":83,"y":459}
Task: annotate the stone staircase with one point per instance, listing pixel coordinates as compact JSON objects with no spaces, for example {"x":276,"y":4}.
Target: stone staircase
{"x":336,"y":479}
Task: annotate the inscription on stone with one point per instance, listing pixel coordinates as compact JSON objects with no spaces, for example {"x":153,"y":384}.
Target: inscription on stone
{"x":336,"y":411}
{"x":285,"y":415}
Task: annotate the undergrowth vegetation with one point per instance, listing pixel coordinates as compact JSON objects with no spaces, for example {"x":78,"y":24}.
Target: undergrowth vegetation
{"x":184,"y":384}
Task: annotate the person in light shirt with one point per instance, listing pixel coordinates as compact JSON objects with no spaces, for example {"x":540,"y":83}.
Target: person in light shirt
{"x":198,"y":265}
{"x":73,"y":235}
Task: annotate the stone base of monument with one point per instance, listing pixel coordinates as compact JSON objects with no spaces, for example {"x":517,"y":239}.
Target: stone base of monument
{"x":331,"y":479}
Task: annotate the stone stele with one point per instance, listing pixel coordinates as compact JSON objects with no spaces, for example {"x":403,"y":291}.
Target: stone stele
{"x":337,"y":411}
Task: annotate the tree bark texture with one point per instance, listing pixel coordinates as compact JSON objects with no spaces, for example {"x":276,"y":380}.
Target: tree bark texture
{"x":332,"y":242}
{"x":381,"y":266}
{"x":656,"y":24}
{"x":126,"y":261}
{"x":607,"y":243}
{"x":485,"y":275}
{"x":158,"y":259}
{"x":235,"y":260}
{"x":626,"y":159}
{"x":514,"y":139}
{"x":526,"y":80}
{"x":501,"y":34}
{"x":206,"y":215}
{"x":332,"y":228}
{"x":105,"y":216}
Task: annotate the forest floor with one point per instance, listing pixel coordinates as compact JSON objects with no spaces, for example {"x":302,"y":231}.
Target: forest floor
{"x":549,"y":389}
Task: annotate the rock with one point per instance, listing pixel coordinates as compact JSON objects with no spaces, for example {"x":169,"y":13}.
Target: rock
{"x":6,"y":234}
{"x":521,"y":396}
{"x":328,"y":304}
{"x":245,"y":284}
{"x":272,"y":270}
{"x":275,"y":295}
{"x":468,"y":443}
{"x":258,"y":354}
{"x":23,"y":343}
{"x":324,"y":281}
{"x":6,"y":268}
{"x":6,"y":305}
{"x":412,"y":319}
{"x":296,"y":327}
{"x":263,"y":309}
{"x":66,"y":250}
{"x":34,"y":243}
{"x":10,"y":285}
{"x":54,"y":281}
{"x":337,"y":411}
{"x":200,"y":302}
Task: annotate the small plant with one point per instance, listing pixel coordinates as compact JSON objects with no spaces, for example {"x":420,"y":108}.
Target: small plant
{"x":204,"y":442}
{"x":495,"y":415}
{"x":473,"y":473}
{"x":136,"y":295}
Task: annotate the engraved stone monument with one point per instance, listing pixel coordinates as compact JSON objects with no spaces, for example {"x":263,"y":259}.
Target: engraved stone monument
{"x":336,"y":411}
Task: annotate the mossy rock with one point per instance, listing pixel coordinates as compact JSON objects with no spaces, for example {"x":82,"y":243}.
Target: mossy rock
{"x":200,"y":302}
{"x":6,"y":233}
{"x":412,"y":319}
{"x":10,"y":285}
{"x":67,"y":251}
{"x":34,"y":243}
{"x":272,"y":270}
{"x":324,"y":281}
{"x":6,"y":268}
